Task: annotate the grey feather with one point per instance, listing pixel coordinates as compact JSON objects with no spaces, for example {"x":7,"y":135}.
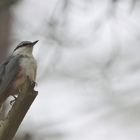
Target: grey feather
{"x":23,"y":44}
{"x":8,"y":71}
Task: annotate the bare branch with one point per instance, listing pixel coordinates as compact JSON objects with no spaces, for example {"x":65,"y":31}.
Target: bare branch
{"x":10,"y":124}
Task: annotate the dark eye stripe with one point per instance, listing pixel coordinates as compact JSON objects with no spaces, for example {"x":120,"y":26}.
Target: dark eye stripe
{"x":23,"y":44}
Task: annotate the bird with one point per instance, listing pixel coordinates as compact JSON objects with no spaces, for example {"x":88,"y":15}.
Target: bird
{"x":16,"y":68}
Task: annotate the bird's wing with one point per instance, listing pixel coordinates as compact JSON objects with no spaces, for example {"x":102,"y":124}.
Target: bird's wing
{"x":8,"y":71}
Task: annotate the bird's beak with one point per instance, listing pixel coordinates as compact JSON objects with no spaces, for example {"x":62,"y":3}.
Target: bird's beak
{"x":35,"y":42}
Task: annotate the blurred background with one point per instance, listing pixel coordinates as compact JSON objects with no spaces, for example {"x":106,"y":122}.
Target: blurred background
{"x":88,"y":58}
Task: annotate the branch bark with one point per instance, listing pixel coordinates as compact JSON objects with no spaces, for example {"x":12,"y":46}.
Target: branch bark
{"x":9,"y":126}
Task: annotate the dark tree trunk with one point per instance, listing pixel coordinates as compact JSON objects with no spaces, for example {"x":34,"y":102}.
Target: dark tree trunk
{"x":5,"y":24}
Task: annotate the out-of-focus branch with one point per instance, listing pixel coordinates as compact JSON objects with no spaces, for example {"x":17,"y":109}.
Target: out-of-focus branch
{"x":5,"y":26}
{"x":7,"y":3}
{"x":10,"y":124}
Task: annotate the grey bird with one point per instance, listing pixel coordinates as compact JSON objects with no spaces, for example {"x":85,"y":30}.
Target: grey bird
{"x":14,"y":71}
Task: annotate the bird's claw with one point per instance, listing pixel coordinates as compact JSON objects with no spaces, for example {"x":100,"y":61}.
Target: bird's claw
{"x":12,"y":101}
{"x":33,"y":84}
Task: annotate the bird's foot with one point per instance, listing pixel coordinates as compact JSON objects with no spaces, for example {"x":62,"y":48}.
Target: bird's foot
{"x":33,"y":83}
{"x":12,"y":101}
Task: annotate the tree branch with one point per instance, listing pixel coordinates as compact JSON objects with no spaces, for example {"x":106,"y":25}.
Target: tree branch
{"x":10,"y":124}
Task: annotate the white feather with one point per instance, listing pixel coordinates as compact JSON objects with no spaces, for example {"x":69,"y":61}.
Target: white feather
{"x":27,"y":62}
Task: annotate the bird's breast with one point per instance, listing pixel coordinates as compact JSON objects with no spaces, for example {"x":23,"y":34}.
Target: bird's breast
{"x":28,"y":66}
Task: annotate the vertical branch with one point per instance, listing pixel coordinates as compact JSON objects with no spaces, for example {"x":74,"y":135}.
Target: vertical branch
{"x":5,"y":26}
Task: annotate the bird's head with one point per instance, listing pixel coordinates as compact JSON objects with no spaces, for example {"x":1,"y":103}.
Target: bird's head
{"x":25,"y":47}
